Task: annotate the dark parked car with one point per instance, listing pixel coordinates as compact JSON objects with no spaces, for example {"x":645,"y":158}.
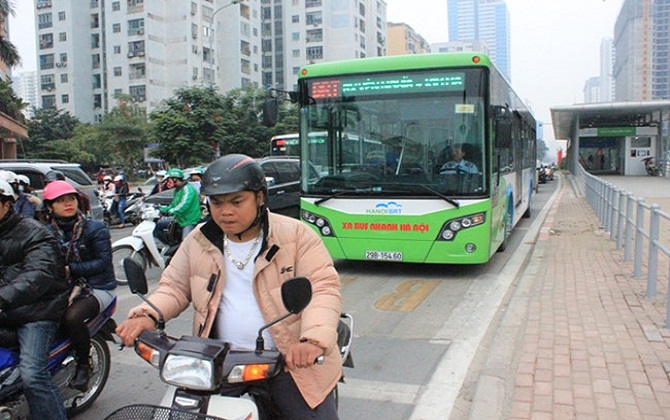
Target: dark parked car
{"x":283,"y":177}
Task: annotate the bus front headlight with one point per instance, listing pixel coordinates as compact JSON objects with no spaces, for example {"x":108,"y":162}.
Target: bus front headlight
{"x":452,"y":227}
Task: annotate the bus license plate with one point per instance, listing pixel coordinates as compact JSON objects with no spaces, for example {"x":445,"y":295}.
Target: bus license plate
{"x":383,"y":255}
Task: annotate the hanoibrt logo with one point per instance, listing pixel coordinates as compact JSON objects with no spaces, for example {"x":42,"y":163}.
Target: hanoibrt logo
{"x":386,"y":208}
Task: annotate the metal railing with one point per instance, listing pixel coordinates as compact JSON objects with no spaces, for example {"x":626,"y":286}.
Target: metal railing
{"x":635,"y":226}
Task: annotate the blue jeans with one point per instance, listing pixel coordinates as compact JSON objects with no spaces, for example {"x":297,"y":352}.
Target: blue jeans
{"x":44,"y":399}
{"x":122,"y":209}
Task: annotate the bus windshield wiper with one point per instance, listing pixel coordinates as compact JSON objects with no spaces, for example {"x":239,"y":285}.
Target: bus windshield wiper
{"x":324,"y":199}
{"x":449,"y":200}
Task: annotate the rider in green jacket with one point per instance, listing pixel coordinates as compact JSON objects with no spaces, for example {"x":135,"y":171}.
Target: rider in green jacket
{"x":185,"y":205}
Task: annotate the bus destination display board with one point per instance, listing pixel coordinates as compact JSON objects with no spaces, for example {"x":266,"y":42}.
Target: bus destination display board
{"x":387,"y":83}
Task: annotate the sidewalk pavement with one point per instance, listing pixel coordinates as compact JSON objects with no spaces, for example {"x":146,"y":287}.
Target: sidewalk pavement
{"x":578,"y":338}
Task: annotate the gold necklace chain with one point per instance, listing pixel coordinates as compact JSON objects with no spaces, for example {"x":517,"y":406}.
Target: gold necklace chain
{"x":237,"y":263}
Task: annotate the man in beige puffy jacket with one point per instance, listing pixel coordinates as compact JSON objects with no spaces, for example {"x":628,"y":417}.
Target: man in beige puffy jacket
{"x":232,"y":267}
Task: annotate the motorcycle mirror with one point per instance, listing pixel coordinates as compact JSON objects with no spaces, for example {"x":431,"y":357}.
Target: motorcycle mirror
{"x":296,"y":293}
{"x":137,"y":281}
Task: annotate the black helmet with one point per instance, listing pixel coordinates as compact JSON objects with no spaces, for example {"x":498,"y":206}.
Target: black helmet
{"x":53,"y":175}
{"x":233,"y":173}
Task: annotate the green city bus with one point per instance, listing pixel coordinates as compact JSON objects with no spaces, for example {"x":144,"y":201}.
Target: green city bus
{"x":389,"y":187}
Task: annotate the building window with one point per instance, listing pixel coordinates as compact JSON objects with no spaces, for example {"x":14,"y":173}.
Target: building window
{"x":136,"y":49}
{"x":137,"y":71}
{"x":116,"y":6}
{"x":245,"y":48}
{"x":61,"y":16}
{"x":134,"y":3}
{"x":62,"y":37}
{"x":296,"y":70}
{"x":314,"y":53}
{"x":117,"y":49}
{"x":97,"y":101}
{"x":118,"y":71}
{"x":97,"y":81}
{"x":95,"y":21}
{"x":296,"y":53}
{"x":295,"y":18}
{"x":136,"y":27}
{"x":313,"y":18}
{"x":116,"y":28}
{"x":295,"y":36}
{"x":314,"y":35}
{"x":194,"y":8}
{"x":194,"y":31}
{"x":63,"y":58}
{"x":312,"y":3}
{"x":246,"y":66}
{"x":46,"y":41}
{"x":63,"y":78}
{"x":95,"y":61}
{"x":95,"y":41}
{"x":47,"y":82}
{"x":139,"y":93}
{"x":49,"y":101}
{"x":44,"y":21}
{"x":46,"y":61}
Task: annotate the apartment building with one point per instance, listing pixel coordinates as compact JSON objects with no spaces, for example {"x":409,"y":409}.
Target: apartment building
{"x":299,"y":32}
{"x":90,"y":52}
{"x":642,"y":46}
{"x":402,"y":39}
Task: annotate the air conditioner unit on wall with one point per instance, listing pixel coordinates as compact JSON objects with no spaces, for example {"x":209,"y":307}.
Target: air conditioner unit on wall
{"x":140,"y":32}
{"x":140,"y":53}
{"x":59,"y":65}
{"x":131,"y":54}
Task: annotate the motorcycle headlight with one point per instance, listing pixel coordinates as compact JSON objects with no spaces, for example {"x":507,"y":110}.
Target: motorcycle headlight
{"x":189,"y":372}
{"x":195,"y":363}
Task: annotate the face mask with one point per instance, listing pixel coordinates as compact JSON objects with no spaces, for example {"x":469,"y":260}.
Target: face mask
{"x":21,"y":188}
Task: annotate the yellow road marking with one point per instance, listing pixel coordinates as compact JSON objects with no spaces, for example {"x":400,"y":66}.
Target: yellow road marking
{"x":407,"y":296}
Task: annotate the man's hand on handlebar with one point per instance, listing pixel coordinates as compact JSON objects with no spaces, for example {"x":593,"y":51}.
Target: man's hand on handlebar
{"x":131,"y":328}
{"x":302,"y":355}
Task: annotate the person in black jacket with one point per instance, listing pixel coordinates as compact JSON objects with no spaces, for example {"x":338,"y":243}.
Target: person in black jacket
{"x":87,"y":247}
{"x":33,"y":299}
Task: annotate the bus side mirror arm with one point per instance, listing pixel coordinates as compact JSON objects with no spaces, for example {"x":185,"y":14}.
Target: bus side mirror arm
{"x":271,"y":104}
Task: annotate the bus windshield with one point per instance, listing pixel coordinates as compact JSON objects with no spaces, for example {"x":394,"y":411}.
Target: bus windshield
{"x":416,"y":133}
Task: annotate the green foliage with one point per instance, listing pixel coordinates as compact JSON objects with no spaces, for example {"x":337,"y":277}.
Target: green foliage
{"x":124,"y":131}
{"x":48,"y":125}
{"x":11,"y":104}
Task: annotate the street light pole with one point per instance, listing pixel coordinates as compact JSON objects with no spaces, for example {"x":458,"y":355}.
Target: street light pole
{"x":211,"y":38}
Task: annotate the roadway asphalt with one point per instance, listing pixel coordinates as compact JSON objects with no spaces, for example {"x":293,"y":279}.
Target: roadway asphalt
{"x":576,"y":336}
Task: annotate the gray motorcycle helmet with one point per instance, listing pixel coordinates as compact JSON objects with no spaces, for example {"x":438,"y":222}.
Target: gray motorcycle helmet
{"x":233,"y":173}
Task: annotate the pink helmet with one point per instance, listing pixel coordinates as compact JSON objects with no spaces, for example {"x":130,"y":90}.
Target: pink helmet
{"x":56,"y":189}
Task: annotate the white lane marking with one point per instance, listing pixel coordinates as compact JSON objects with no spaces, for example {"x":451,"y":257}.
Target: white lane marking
{"x":379,"y":391}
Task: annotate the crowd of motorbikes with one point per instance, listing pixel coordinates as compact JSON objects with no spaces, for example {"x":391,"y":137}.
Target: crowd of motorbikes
{"x":194,"y":368}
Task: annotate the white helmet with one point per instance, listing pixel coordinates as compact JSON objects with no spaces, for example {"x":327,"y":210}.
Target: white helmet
{"x":107,"y":178}
{"x":23,"y":179}
{"x":118,"y":178}
{"x":6,"y":190}
{"x":161,"y":173}
{"x":8,"y":176}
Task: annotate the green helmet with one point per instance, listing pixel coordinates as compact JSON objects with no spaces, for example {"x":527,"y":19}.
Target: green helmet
{"x":175,"y":173}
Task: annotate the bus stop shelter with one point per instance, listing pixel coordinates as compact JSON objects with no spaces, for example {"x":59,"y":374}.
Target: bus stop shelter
{"x":614,"y":137}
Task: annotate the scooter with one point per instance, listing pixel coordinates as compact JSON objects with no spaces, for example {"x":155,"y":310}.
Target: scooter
{"x":196,"y":368}
{"x":62,"y":364}
{"x":650,"y":166}
{"x":142,"y":246}
{"x":134,"y":203}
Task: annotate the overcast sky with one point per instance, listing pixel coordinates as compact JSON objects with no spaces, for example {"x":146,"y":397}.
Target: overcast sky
{"x":555,"y":43}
